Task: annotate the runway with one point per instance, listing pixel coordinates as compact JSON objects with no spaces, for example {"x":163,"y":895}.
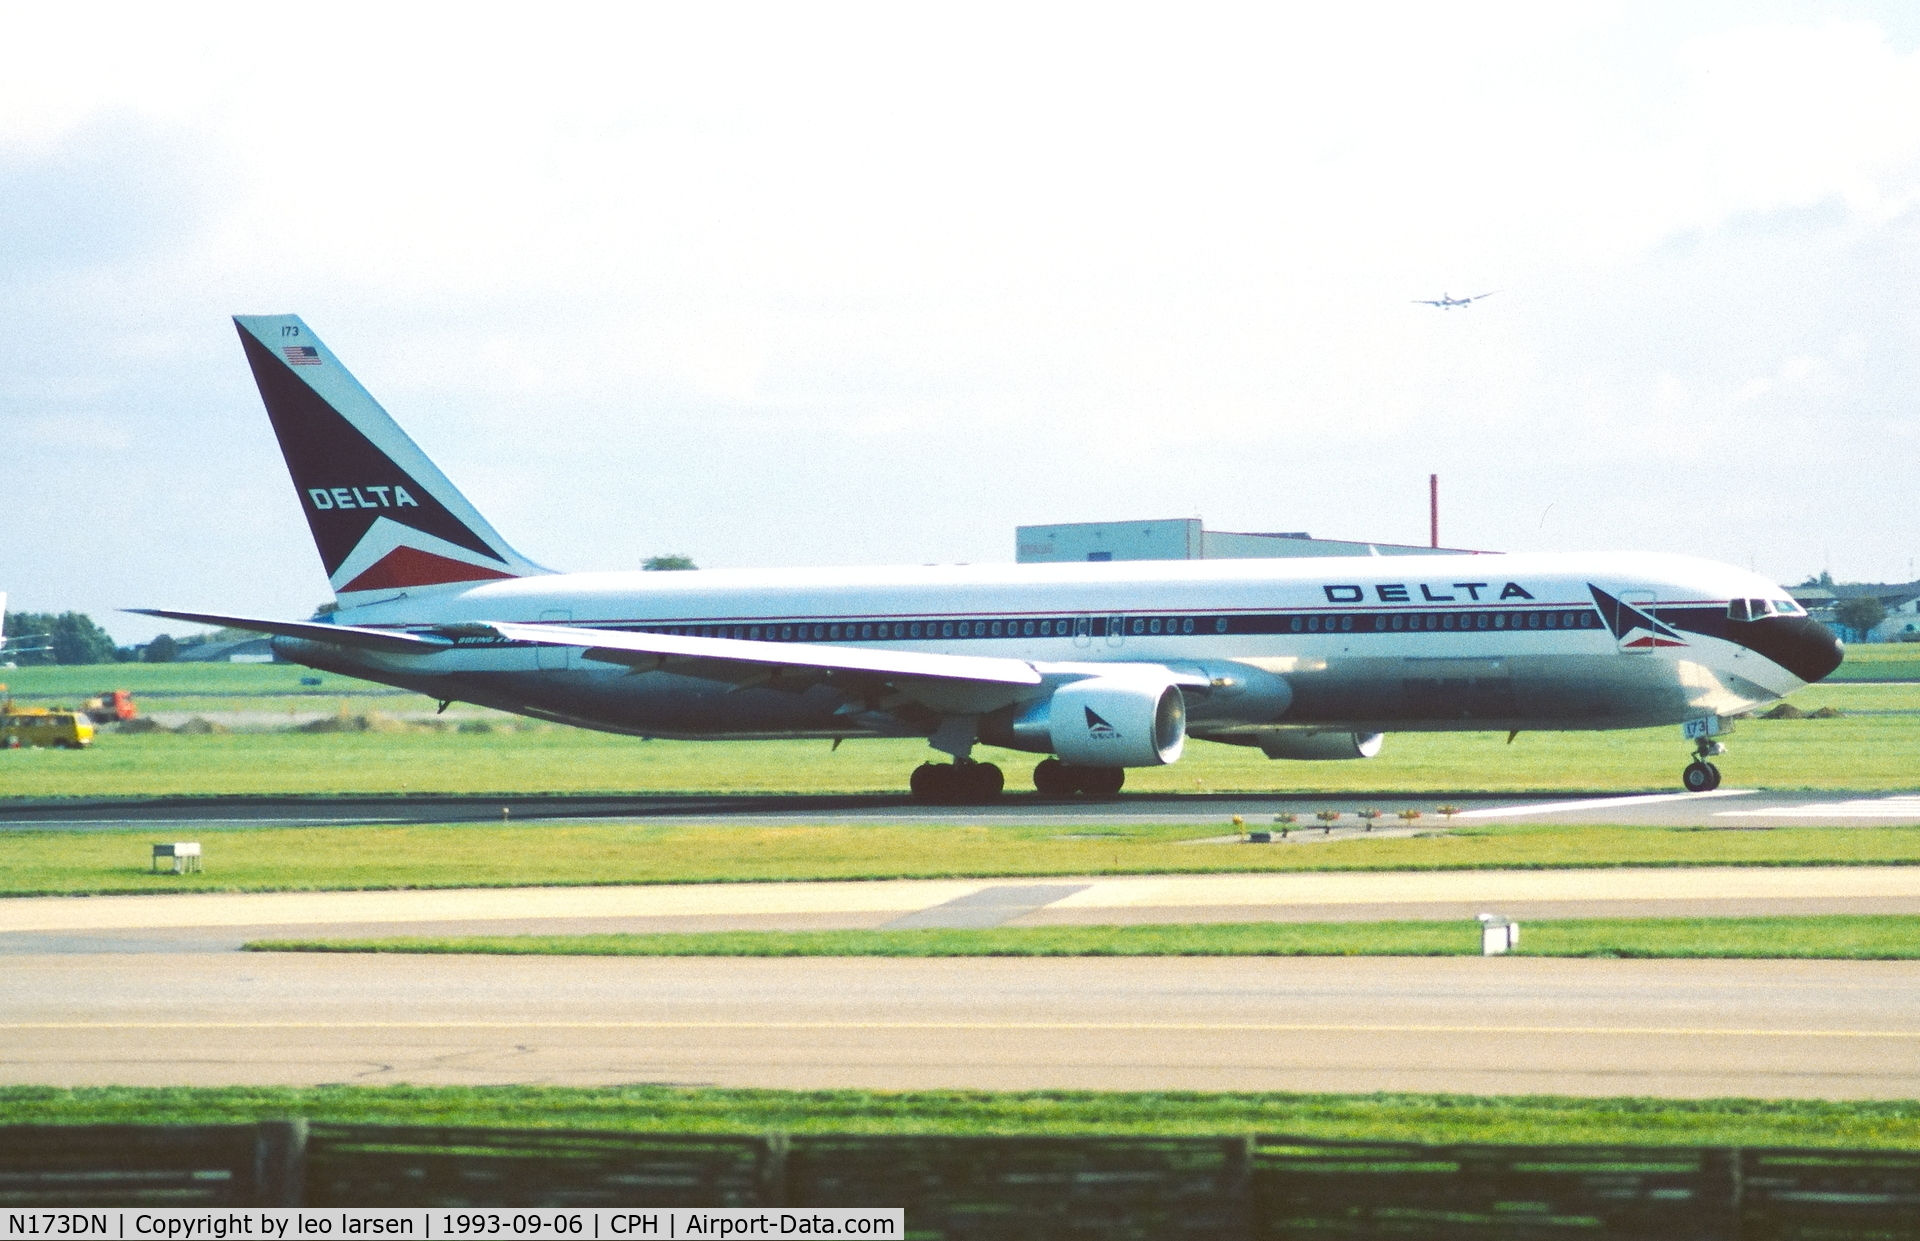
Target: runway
{"x":1729,"y":807}
{"x":1498,"y":1026}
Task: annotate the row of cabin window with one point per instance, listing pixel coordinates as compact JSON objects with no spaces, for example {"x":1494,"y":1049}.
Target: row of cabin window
{"x":1395,"y":622}
{"x":882,"y":631}
{"x":1145,"y":626}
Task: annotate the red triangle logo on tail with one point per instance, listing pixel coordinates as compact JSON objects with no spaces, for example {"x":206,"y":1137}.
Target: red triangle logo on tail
{"x":409,"y":566}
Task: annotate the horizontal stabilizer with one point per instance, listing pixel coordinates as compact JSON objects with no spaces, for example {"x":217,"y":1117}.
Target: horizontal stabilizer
{"x":385,"y":641}
{"x":647,"y":651}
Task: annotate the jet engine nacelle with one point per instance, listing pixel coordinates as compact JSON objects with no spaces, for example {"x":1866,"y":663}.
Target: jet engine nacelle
{"x":1100,"y":722}
{"x":1115,"y":722}
{"x":1321,"y":746}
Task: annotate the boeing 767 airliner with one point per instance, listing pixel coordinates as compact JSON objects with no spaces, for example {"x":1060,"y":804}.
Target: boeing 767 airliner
{"x":1099,"y":666}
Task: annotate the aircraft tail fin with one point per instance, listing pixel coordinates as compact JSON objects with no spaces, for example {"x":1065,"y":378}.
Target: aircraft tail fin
{"x":383,"y":516}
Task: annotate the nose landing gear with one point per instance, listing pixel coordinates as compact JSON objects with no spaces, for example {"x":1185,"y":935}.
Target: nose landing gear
{"x":1702,"y":776}
{"x":957,"y":783}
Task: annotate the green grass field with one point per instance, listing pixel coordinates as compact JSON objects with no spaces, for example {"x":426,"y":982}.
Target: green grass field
{"x":249,"y":680}
{"x":1880,"y":661}
{"x":1850,"y":938}
{"x":1876,"y":747}
{"x":266,"y":688}
{"x":385,"y":857}
{"x":1539,"y":1119}
{"x":1859,"y":752}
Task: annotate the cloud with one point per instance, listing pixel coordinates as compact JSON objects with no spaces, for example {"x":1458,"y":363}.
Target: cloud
{"x":776,"y":285}
{"x":108,"y":192}
{"x":93,"y":435}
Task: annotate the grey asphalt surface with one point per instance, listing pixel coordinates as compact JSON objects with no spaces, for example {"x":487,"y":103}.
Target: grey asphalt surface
{"x":1727,"y":807}
{"x":1499,"y":1025}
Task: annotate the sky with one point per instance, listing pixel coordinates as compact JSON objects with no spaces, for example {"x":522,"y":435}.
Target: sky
{"x":783,"y":285}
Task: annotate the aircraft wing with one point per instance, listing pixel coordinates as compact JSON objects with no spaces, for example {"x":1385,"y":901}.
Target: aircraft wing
{"x":954,"y":683}
{"x":885,"y":679}
{"x":386,"y":641}
{"x":699,"y":656}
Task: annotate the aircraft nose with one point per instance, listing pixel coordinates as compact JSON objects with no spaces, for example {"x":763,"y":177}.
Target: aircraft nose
{"x":1800,"y":644}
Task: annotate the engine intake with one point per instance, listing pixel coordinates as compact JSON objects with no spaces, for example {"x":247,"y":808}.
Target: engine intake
{"x":1107,"y":722}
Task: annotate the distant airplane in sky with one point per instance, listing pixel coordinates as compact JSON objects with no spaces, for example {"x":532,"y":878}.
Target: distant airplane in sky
{"x":1448,"y":303}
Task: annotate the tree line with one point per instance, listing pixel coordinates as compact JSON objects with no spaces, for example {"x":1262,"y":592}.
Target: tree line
{"x":74,"y":638}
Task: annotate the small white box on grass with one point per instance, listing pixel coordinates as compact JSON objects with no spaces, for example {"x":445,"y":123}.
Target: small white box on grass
{"x":1498,"y":934}
{"x":184,"y":854}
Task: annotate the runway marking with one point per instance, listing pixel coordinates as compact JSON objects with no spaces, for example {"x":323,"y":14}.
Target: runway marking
{"x":1599,"y":803}
{"x":1899,"y":807}
{"x":1144,"y":1027}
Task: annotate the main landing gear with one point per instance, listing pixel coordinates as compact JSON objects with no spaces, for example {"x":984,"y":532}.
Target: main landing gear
{"x":966,"y":782}
{"x":1700,"y":775}
{"x":970,"y":783}
{"x":1053,"y":778}
{"x":957,"y":782}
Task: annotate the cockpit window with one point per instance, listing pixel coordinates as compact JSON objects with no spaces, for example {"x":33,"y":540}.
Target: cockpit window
{"x":1754,"y":609}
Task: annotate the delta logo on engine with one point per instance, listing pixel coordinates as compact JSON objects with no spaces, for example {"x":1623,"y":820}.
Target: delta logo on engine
{"x":1098,"y":729}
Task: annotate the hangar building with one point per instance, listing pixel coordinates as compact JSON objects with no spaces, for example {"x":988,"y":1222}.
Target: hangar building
{"x":1184,"y":538}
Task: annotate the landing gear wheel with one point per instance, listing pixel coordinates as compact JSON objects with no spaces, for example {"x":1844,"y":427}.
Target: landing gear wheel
{"x":1099,"y":781}
{"x":983,"y":781}
{"x":1053,"y":778}
{"x":927,"y":781}
{"x":1700,"y":777}
{"x":956,"y":782}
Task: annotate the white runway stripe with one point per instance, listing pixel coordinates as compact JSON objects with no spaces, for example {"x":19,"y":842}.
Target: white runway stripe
{"x":1597,"y":803}
{"x":1905,"y":806}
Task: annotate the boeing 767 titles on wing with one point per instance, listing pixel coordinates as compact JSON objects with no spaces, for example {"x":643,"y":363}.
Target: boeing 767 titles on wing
{"x":1097,"y":666}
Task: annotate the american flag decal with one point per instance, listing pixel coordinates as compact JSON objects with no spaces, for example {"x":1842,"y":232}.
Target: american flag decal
{"x":301,"y":355}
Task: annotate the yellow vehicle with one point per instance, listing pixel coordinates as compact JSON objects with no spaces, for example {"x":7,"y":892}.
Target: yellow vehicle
{"x":41,"y":726}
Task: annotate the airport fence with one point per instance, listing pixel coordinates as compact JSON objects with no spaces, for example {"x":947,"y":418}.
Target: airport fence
{"x":1005,"y":1188}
